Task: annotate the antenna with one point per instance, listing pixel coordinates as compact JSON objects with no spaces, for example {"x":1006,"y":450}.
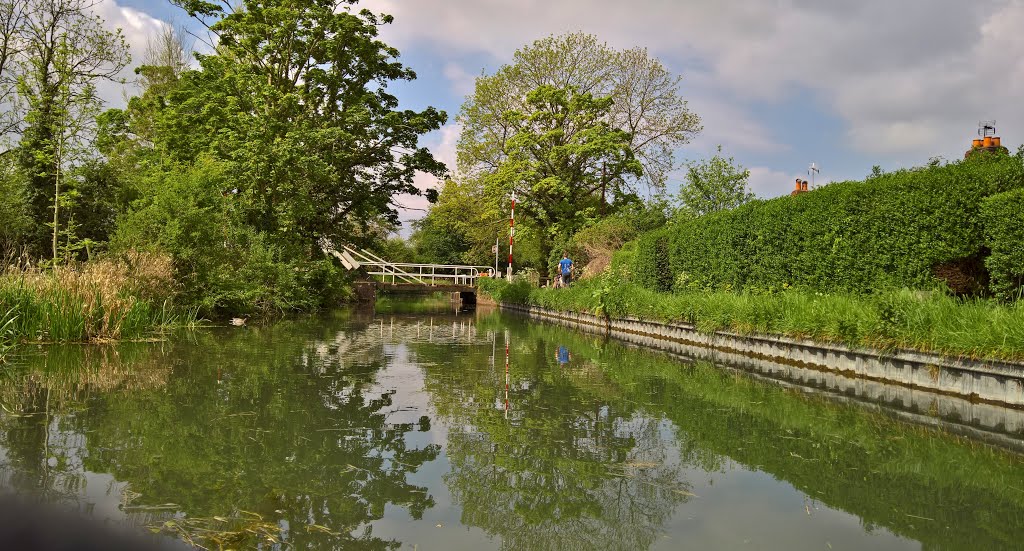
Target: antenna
{"x":811,"y":171}
{"x":986,"y":128}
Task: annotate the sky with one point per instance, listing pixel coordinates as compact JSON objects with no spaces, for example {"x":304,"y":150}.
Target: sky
{"x":778,"y":83}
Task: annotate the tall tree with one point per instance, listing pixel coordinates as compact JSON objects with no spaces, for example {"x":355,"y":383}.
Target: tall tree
{"x":712,"y":185}
{"x":563,"y":159}
{"x":647,"y":105}
{"x":296,"y":99}
{"x":67,"y":52}
{"x":461,"y":227}
{"x":12,"y":19}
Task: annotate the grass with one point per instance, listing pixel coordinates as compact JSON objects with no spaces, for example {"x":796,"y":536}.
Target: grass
{"x":926,"y":321}
{"x":113,"y":299}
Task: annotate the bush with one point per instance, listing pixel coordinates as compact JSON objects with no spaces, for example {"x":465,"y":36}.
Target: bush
{"x":891,"y":319}
{"x":517,"y":292}
{"x":651,"y":267}
{"x":1004,"y":235}
{"x":224,"y":265}
{"x":592,"y":248}
{"x":910,"y":228}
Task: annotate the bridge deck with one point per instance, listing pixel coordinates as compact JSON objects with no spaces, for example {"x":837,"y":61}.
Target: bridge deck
{"x":420,"y":288}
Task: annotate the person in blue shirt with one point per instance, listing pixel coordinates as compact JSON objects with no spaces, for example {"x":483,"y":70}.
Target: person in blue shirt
{"x":565,"y":267}
{"x":563,"y":356}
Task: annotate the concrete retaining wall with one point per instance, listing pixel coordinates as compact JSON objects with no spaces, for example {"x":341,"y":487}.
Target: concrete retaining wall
{"x":971,"y":394}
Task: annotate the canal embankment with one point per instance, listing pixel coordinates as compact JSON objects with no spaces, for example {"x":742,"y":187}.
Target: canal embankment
{"x":979,"y":380}
{"x":974,"y":398}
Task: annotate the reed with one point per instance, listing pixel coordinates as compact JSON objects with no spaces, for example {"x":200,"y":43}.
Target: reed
{"x":119,"y":298}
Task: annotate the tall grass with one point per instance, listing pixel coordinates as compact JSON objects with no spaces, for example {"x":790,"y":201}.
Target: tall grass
{"x":123,"y":298}
{"x":896,"y":319}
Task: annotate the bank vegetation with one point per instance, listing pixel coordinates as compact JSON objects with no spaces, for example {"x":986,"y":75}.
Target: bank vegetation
{"x":925,"y":259}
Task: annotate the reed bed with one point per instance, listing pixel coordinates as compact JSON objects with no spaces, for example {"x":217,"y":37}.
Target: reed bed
{"x":120,"y":298}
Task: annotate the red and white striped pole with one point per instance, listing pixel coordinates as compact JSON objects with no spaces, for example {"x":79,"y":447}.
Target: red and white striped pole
{"x":511,"y":234}
{"x":506,"y":376}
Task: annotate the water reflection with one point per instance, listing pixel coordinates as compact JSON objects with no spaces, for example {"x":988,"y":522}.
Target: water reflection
{"x":256,"y":426}
{"x":382,"y":431}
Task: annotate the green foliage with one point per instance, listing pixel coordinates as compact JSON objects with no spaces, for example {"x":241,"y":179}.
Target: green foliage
{"x":1003,"y":215}
{"x":437,"y":240}
{"x":561,"y":161}
{"x":397,"y":249}
{"x":296,"y":100}
{"x":123,"y":298}
{"x":517,"y":292}
{"x":14,"y":219}
{"x":7,"y":336}
{"x":646,"y":104}
{"x":915,"y":228}
{"x":713,"y":185}
{"x":593,"y":247}
{"x":224,"y":265}
{"x":284,"y":138}
{"x":650,"y":263}
{"x":889,"y":319}
{"x":623,"y":96}
{"x":66,"y":51}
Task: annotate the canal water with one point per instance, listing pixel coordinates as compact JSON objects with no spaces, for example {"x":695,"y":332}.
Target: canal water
{"x":357,"y":430}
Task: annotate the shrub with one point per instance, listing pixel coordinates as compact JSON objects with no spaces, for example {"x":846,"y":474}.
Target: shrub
{"x":1004,"y":234}
{"x":895,"y":230}
{"x":225,"y":266}
{"x":593,"y":247}
{"x":651,"y":267}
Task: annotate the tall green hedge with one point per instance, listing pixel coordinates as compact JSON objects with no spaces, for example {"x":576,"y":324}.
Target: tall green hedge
{"x":1004,"y":234}
{"x":651,"y":267}
{"x":909,"y":228}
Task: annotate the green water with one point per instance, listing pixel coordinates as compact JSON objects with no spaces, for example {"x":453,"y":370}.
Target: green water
{"x":355,"y":431}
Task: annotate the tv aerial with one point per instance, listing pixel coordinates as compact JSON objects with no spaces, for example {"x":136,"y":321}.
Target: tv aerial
{"x":811,"y":171}
{"x":986,"y":128}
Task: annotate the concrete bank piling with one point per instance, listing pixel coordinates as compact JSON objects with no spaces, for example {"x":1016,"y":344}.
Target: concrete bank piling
{"x":975,"y":395}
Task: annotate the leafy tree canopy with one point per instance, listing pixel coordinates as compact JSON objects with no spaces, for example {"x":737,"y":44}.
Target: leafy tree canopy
{"x":295,"y":97}
{"x":712,"y":185}
{"x":563,"y":159}
{"x":646,"y":102}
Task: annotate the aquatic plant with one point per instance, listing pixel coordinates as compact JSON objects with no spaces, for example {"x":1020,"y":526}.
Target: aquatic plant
{"x":126,"y":297}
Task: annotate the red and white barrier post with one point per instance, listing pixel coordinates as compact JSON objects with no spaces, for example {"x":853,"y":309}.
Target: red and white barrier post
{"x":511,"y":234}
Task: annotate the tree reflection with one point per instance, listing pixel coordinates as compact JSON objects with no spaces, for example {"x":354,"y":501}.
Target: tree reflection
{"x":574,"y":465}
{"x":285,"y":424}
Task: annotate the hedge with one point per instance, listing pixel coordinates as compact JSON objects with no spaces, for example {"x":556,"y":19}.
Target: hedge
{"x":912,"y":228}
{"x":651,"y":267}
{"x":1003,"y":215}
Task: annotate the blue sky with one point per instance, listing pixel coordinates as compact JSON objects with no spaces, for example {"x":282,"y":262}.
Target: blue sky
{"x":778,"y":83}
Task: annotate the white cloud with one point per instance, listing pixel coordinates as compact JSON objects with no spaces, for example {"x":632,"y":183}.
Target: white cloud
{"x":442,"y":143}
{"x":909,"y":79}
{"x":462,"y":82}
{"x":138,"y":27}
{"x":767,"y":183}
{"x":734,"y":129}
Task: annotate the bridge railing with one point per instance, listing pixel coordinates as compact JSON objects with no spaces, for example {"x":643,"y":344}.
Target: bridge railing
{"x":425,"y":274}
{"x":406,"y":272}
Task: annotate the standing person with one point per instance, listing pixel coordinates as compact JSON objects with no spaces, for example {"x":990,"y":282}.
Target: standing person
{"x":566,"y":267}
{"x":563,"y":356}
